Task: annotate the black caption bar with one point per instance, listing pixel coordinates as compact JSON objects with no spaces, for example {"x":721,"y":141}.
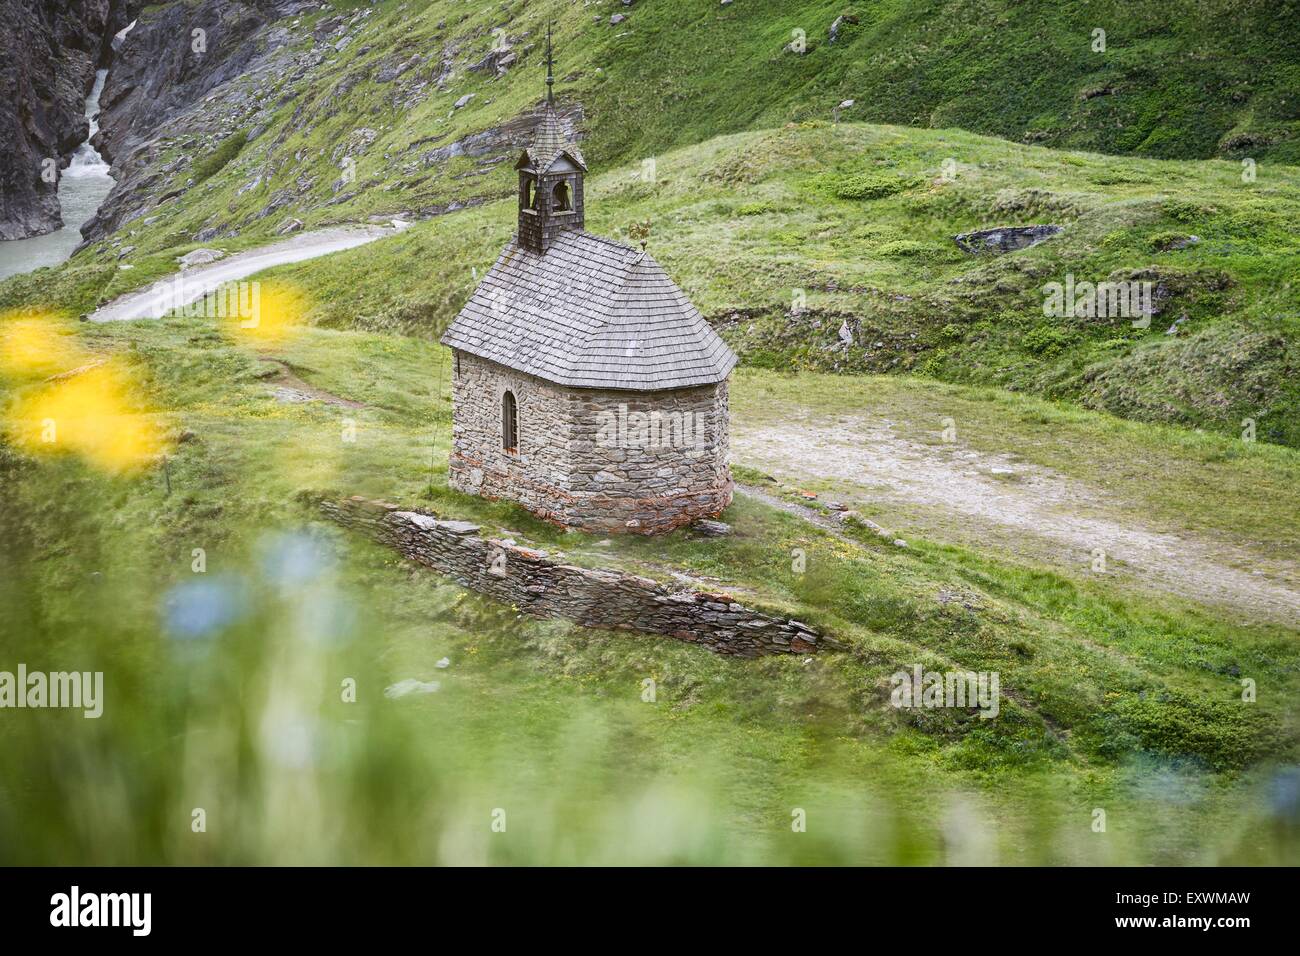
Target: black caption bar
{"x":335,"y":905}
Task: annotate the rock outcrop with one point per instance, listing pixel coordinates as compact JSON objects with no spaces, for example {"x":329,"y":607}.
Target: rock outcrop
{"x":166,"y":108}
{"x":1004,"y":238}
{"x":175,"y":56}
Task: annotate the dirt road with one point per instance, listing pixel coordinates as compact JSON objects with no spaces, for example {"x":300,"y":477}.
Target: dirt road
{"x":166,"y":294}
{"x":950,"y":493}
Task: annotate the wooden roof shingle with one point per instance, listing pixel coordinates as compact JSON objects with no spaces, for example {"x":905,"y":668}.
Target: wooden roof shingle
{"x":589,"y":313}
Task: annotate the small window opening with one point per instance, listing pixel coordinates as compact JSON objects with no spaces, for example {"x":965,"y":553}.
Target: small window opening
{"x":509,"y":423}
{"x":562,"y":200}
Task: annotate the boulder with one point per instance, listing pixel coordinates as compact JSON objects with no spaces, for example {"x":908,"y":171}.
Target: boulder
{"x":1005,"y":239}
{"x":199,"y":256}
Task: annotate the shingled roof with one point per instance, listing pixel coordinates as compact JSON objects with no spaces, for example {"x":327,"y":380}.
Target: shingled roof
{"x":549,"y":141}
{"x":589,"y":313}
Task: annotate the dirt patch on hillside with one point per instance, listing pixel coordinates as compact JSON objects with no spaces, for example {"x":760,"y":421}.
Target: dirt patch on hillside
{"x":951,"y":493}
{"x":287,"y":387}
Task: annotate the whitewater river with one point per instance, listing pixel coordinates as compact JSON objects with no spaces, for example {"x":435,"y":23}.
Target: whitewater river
{"x":82,"y":187}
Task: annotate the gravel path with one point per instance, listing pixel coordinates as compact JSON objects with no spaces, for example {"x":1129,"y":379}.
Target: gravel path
{"x":200,"y":280}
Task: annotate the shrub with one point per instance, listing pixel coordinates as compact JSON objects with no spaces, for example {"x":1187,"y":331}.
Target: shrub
{"x":864,"y":186}
{"x":216,"y":160}
{"x":1180,"y":210}
{"x":1223,"y":735}
{"x":1046,"y":340}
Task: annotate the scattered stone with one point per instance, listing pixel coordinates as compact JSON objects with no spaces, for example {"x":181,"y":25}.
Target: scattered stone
{"x":1005,"y":238}
{"x":712,"y":529}
{"x":444,"y":663}
{"x":293,"y":225}
{"x":463,"y":101}
{"x":899,"y":542}
{"x":968,"y":601}
{"x":290,"y":396}
{"x":411,"y":686}
{"x":839,"y":23}
{"x":616,"y":19}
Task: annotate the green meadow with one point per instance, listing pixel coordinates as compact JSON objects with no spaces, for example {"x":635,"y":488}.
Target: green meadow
{"x":225,"y":690}
{"x":255,"y":657}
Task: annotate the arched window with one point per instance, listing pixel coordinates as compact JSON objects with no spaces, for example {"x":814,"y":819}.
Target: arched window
{"x":561,"y":197}
{"x":509,"y":423}
{"x":529,"y":198}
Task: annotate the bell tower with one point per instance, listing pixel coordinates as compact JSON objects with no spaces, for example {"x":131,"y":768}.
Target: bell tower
{"x":551,"y":171}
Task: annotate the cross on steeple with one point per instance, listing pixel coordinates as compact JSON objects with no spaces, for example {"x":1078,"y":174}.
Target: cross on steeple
{"x":550,"y":63}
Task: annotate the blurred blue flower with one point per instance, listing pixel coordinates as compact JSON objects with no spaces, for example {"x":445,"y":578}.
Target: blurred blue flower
{"x":296,"y":558}
{"x":1284,"y":794}
{"x":203,"y":606}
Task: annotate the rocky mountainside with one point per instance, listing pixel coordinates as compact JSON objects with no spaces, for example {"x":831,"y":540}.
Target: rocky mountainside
{"x":246,"y":117}
{"x":175,"y":56}
{"x":49,"y":52}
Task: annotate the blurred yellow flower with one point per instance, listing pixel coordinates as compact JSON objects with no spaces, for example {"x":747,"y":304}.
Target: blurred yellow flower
{"x":94,"y":413}
{"x":35,"y":346}
{"x":268,"y":313}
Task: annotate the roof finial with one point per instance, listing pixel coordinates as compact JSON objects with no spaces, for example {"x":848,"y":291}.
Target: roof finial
{"x":550,"y":61}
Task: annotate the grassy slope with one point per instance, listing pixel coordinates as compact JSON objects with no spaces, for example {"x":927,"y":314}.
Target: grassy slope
{"x":744,"y":221}
{"x":1112,"y":701}
{"x":1118,"y":702}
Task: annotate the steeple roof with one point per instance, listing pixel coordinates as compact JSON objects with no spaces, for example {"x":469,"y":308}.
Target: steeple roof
{"x":549,"y":142}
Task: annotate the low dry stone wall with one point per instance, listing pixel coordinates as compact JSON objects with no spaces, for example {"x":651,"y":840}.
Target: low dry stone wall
{"x":537,"y":584}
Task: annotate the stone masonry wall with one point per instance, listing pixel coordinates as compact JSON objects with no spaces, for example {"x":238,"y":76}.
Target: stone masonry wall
{"x":536,"y":584}
{"x":537,"y":475}
{"x":648,"y":461}
{"x":605,"y":461}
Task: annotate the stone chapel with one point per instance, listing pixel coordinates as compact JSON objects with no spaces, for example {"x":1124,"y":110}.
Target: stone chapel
{"x":585,"y":385}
